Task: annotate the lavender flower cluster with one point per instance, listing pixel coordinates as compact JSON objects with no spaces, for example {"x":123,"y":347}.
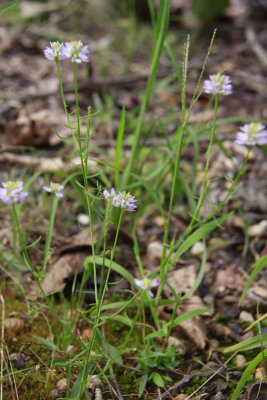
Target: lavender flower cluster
{"x":12,"y":191}
{"x":122,"y":199}
{"x":75,"y":51}
{"x":218,"y":84}
{"x":251,"y":134}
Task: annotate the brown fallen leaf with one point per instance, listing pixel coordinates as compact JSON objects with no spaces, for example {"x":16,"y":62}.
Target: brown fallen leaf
{"x":228,"y":278}
{"x":182,"y":280}
{"x":28,"y":130}
{"x":13,"y":324}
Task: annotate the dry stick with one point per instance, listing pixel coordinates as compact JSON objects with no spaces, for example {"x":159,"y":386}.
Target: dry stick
{"x":2,"y":343}
{"x":11,"y":378}
{"x":188,"y":378}
{"x":255,"y":45}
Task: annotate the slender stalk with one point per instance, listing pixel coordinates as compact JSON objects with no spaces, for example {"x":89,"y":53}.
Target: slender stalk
{"x":83,"y":159}
{"x":49,"y":231}
{"x":25,"y":253}
{"x":14,"y":238}
{"x":98,"y":310}
{"x":64,"y":102}
{"x":129,"y":334}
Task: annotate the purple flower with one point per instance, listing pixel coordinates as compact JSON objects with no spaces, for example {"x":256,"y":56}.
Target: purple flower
{"x":12,"y":192}
{"x":76,"y":51}
{"x":54,"y":52}
{"x":251,"y":134}
{"x":54,"y":188}
{"x":218,"y":84}
{"x":122,"y":199}
{"x":147,"y":284}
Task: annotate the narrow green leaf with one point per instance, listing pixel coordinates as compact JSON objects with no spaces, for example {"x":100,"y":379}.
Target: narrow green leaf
{"x":119,"y":148}
{"x":46,"y":343}
{"x":247,"y":373}
{"x":114,"y":266}
{"x":142,"y":384}
{"x":198,"y":235}
{"x":114,"y":354}
{"x":249,"y":344}
{"x":7,"y":6}
{"x":157,"y":379}
{"x":188,"y":315}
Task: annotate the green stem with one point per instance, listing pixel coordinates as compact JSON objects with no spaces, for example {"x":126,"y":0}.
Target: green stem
{"x":49,"y":231}
{"x":14,"y":238}
{"x":129,"y":334}
{"x":98,"y":310}
{"x":25,"y":253}
{"x":64,"y":103}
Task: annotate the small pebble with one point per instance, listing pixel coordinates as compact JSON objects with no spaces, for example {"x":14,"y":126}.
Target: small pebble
{"x":240,"y":360}
{"x":257,"y":229}
{"x":83,"y":219}
{"x":197,"y":248}
{"x":260,"y":373}
{"x":18,"y":360}
{"x":245,"y":316}
{"x":214,"y":343}
{"x":154,"y":250}
{"x":62,"y":384}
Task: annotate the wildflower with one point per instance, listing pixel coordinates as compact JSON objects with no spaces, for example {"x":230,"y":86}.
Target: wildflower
{"x":218,"y":84}
{"x":122,"y":199}
{"x":54,"y":52}
{"x":147,"y":284}
{"x":251,"y":134}
{"x":54,"y":188}
{"x":12,"y":192}
{"x":76,"y":51}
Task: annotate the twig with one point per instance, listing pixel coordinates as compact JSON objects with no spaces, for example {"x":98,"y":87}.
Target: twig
{"x":188,"y":378}
{"x":255,"y":45}
{"x":2,"y":343}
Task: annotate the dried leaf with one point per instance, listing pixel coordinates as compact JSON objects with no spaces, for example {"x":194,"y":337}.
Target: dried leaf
{"x":228,"y":278}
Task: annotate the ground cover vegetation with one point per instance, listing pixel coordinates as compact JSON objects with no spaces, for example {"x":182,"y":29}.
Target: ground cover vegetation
{"x":133,"y":213}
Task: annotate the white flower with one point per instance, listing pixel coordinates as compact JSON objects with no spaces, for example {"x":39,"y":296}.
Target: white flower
{"x":122,"y":199}
{"x":12,"y":192}
{"x":76,"y":51}
{"x":252,"y":134}
{"x":147,"y":284}
{"x":54,"y":52}
{"x":54,"y":188}
{"x":218,"y":84}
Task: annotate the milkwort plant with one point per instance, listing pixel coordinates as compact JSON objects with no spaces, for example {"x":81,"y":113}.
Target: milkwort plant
{"x":218,"y":85}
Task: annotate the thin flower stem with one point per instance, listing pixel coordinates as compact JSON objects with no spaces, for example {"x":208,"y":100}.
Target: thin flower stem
{"x":178,"y":152}
{"x":14,"y":237}
{"x":84,"y":169}
{"x":49,"y":231}
{"x":65,"y":104}
{"x":98,"y":310}
{"x":129,"y":334}
{"x":26,"y":255}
